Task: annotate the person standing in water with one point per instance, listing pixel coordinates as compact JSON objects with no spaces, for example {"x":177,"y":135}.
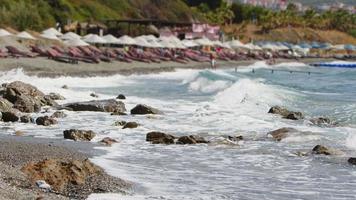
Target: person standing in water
{"x":212,"y":61}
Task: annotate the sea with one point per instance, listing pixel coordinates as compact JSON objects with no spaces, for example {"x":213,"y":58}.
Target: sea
{"x":216,"y":104}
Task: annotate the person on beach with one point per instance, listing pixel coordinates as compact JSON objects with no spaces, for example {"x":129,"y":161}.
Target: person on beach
{"x":212,"y":61}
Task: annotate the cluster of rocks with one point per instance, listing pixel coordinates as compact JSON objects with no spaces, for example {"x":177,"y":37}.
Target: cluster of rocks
{"x":163,"y":138}
{"x":295,"y":115}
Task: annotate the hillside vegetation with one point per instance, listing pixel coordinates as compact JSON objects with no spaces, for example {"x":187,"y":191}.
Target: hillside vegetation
{"x":39,"y":14}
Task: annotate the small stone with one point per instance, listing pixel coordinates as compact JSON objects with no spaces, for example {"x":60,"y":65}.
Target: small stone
{"x":19,"y":133}
{"x":319,"y":149}
{"x":352,"y":161}
{"x":141,"y":109}
{"x":26,"y":119}
{"x":46,"y":121}
{"x":235,"y":138}
{"x":281,"y":133}
{"x":108,"y":141}
{"x":9,"y":117}
{"x":119,"y":123}
{"x":192,"y":139}
{"x":295,"y":116}
{"x":65,"y":87}
{"x":94,"y":95}
{"x":118,"y":113}
{"x":130,"y":125}
{"x":159,"y":138}
{"x":79,"y":135}
{"x":121,"y":96}
{"x":43,"y":185}
{"x":59,"y":114}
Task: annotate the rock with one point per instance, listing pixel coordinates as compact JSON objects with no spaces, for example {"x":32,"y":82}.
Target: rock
{"x":10,"y":116}
{"x":319,"y":149}
{"x":160,"y":138}
{"x":235,"y":138}
{"x":119,"y":123}
{"x":352,"y":161}
{"x":121,"y":96}
{"x":279,"y":110}
{"x":94,"y":95}
{"x":108,"y":141}
{"x":43,"y":185}
{"x":118,"y":113}
{"x":320,"y":121}
{"x":130,"y":125}
{"x":26,"y":97}
{"x":110,"y":105}
{"x":281,"y":133}
{"x":292,"y":115}
{"x":141,"y":109}
{"x":59,"y":114}
{"x":192,"y":139}
{"x":65,"y":87}
{"x":79,"y":135}
{"x":5,"y":105}
{"x":61,"y":174}
{"x":26,"y":119}
{"x":55,"y":96}
{"x":46,"y":121}
{"x":295,"y":116}
{"x":19,"y":133}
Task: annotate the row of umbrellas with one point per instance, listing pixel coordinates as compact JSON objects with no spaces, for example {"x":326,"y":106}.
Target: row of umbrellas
{"x":73,"y":39}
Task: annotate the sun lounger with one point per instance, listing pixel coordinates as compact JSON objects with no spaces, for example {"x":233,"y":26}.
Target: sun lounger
{"x":17,"y":53}
{"x":57,"y":56}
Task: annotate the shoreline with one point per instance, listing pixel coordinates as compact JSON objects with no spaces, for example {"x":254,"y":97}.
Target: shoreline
{"x":43,"y":67}
{"x":17,"y":151}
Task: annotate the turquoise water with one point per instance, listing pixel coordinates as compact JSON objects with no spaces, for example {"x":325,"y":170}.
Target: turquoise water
{"x":214,"y":104}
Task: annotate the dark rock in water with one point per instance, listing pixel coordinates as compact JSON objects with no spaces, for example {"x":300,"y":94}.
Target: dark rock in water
{"x":121,"y":96}
{"x":352,"y":161}
{"x":59,"y":174}
{"x":286,"y":113}
{"x":94,"y":95}
{"x":160,"y":138}
{"x":192,"y":139}
{"x":79,"y":135}
{"x":281,"y":133}
{"x":321,"y":121}
{"x":130,"y":125}
{"x":55,"y":96}
{"x":26,"y":119}
{"x":10,"y":116}
{"x":186,"y":140}
{"x":65,"y":87}
{"x":119,"y":123}
{"x":46,"y":121}
{"x":108,"y":141}
{"x":141,"y":109}
{"x":26,"y":97}
{"x":110,"y":105}
{"x":235,"y":138}
{"x":118,"y":113}
{"x":319,"y":149}
{"x":295,"y":116}
{"x":59,"y":114}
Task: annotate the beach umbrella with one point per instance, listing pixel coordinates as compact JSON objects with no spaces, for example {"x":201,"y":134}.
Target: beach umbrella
{"x":70,"y":36}
{"x":155,"y":44}
{"x":169,"y":38}
{"x":49,"y":36}
{"x":95,"y":39}
{"x":52,"y":31}
{"x":142,"y":42}
{"x":126,"y":40}
{"x":235,"y":44}
{"x":204,"y":42}
{"x":75,"y":42}
{"x":4,"y":33}
{"x":305,"y":45}
{"x":110,"y":39}
{"x":150,"y":38}
{"x":349,"y":47}
{"x":251,"y":46}
{"x":87,"y":36}
{"x":189,"y":43}
{"x":25,"y":35}
{"x":167,"y":44}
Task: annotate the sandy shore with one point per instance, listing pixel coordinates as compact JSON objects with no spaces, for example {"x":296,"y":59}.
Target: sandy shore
{"x":50,"y":68}
{"x":16,"y":151}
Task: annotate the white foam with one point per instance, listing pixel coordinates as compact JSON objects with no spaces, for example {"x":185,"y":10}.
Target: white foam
{"x":207,"y":86}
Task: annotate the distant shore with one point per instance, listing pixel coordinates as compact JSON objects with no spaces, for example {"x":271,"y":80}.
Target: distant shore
{"x":44,"y":67}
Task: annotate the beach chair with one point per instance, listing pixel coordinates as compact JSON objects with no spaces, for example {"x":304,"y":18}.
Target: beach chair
{"x":17,"y":53}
